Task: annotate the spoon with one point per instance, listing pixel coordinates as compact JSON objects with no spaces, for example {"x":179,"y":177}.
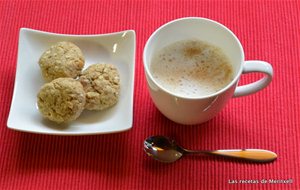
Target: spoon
{"x":163,"y":149}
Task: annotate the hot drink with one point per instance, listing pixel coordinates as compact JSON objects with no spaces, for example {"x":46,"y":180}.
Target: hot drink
{"x":191,"y":68}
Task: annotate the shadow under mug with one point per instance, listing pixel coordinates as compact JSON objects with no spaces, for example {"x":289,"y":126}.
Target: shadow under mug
{"x":196,"y":110}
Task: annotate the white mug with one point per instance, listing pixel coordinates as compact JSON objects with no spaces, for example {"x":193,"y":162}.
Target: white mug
{"x":190,"y":110}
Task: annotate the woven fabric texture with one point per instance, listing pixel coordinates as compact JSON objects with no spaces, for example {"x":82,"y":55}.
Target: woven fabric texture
{"x":269,"y":119}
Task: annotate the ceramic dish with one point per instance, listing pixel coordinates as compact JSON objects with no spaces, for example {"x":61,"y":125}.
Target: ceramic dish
{"x":115,"y":48}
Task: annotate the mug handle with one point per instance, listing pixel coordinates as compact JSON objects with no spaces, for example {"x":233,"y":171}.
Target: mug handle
{"x":255,"y":66}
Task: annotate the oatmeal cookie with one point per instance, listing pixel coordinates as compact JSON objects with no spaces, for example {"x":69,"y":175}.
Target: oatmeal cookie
{"x":63,"y":59}
{"x":61,"y":100}
{"x":101,"y":83}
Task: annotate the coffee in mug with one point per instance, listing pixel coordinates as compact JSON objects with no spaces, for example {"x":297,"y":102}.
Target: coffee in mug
{"x":191,"y":68}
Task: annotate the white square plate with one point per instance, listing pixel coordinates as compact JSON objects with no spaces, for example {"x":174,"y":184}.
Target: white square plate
{"x":115,"y":48}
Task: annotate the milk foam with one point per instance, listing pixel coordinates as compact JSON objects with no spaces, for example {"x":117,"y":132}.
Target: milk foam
{"x":191,"y":68}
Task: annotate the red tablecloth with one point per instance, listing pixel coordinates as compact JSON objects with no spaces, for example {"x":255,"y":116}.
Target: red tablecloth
{"x":269,"y":30}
